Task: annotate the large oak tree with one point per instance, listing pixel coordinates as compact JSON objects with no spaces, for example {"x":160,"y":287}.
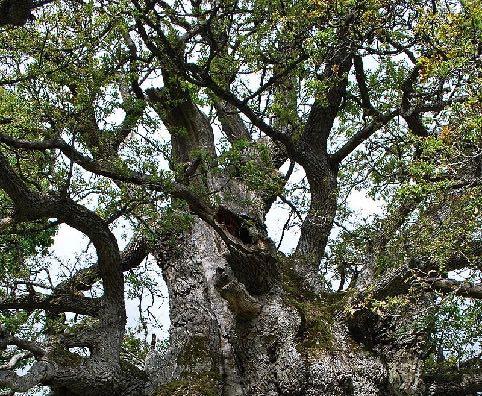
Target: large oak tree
{"x":189,"y":121}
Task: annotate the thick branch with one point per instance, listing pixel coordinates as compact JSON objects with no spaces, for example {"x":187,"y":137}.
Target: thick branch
{"x":189,"y":127}
{"x":18,"y":12}
{"x":55,"y":303}
{"x":30,"y":205}
{"x":40,"y":208}
{"x":459,"y":288}
{"x":6,"y":339}
{"x":232,"y":124}
{"x":257,"y":121}
{"x":412,"y":118}
{"x":133,"y":254}
{"x":324,"y":112}
{"x":122,"y":175}
{"x":399,"y":280}
{"x":362,"y":85}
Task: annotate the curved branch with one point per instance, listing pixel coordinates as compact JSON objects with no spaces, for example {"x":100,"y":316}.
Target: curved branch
{"x":31,"y":346}
{"x":323,"y":113}
{"x":133,"y":254}
{"x":122,"y":175}
{"x":30,"y":205}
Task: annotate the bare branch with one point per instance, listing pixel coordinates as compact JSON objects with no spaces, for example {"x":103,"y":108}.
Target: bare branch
{"x":53,"y":303}
{"x":7,"y":339}
{"x":362,"y":85}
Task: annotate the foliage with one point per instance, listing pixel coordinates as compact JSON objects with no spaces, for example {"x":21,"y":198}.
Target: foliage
{"x":148,"y":118}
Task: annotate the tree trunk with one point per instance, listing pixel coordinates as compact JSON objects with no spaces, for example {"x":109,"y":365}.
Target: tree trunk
{"x":225,"y":340}
{"x":246,"y":320}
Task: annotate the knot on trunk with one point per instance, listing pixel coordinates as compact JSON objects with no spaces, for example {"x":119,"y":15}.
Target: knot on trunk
{"x":234,"y":292}
{"x":251,"y":254}
{"x":240,"y":226}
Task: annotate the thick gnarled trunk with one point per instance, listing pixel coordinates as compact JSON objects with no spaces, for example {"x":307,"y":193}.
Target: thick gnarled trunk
{"x":287,"y":341}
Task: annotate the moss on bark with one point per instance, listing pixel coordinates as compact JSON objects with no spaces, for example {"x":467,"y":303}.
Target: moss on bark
{"x":203,"y":384}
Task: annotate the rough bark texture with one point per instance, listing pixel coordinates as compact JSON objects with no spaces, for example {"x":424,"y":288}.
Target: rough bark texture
{"x":246,"y":320}
{"x":284,"y":342}
{"x":237,"y":329}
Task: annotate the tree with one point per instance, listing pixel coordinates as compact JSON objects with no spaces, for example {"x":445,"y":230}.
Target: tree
{"x":378,"y":95}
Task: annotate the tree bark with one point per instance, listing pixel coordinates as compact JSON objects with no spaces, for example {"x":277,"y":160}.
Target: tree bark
{"x":288,"y":341}
{"x":245,"y":319}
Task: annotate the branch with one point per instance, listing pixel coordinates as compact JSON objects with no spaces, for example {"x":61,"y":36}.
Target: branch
{"x":459,"y":288}
{"x":324,"y":112}
{"x":207,"y":81}
{"x":122,"y":175}
{"x":362,"y":135}
{"x":18,"y":12}
{"x":398,"y":280}
{"x":40,"y":206}
{"x":38,"y":373}
{"x":231,"y":123}
{"x":133,"y":112}
{"x":133,"y":254}
{"x":362,"y":85}
{"x":412,"y":118}
{"x":55,"y":303}
{"x":33,"y":347}
{"x":277,"y":77}
{"x":15,"y":359}
{"x":30,"y":205}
